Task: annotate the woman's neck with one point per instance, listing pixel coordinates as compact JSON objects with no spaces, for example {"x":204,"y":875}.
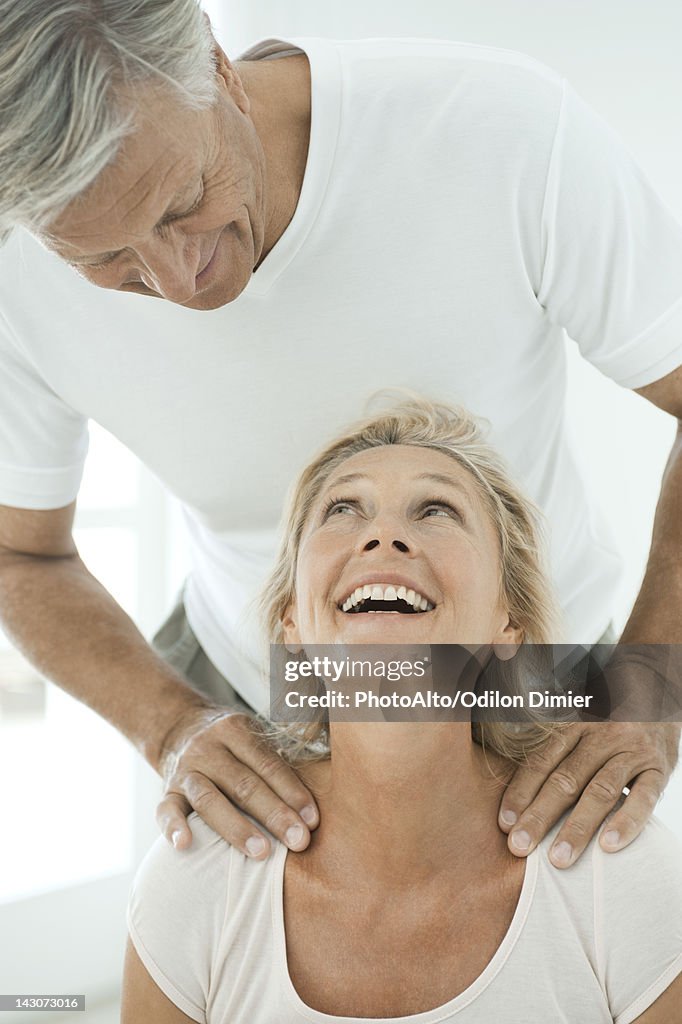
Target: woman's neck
{"x":401,"y":803}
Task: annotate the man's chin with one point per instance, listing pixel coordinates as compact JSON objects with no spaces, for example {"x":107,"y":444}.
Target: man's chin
{"x":216,"y":296}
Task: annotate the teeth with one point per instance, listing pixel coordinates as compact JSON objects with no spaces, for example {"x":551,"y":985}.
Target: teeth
{"x":378,"y":592}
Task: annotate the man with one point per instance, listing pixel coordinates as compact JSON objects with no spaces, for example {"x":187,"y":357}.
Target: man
{"x":418,"y":214}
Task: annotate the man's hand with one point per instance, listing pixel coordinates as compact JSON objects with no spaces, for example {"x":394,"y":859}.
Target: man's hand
{"x":589,"y":765}
{"x":214,"y":761}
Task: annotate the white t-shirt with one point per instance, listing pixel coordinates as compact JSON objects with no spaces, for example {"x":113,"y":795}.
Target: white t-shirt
{"x":461,"y":210}
{"x":598,"y":942}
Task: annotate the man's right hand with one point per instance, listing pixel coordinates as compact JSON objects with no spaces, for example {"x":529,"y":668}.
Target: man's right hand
{"x":215,"y":762}
{"x":72,"y":629}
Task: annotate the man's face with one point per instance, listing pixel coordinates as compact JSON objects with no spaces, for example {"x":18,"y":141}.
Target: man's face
{"x":180,"y":213}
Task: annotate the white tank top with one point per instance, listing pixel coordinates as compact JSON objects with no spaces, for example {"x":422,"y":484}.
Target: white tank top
{"x":596,"y":943}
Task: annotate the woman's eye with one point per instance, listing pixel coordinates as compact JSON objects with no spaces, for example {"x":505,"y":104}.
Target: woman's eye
{"x":335,"y":508}
{"x":442,"y":510}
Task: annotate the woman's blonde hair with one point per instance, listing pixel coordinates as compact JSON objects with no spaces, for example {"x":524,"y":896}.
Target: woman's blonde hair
{"x":524,"y":586}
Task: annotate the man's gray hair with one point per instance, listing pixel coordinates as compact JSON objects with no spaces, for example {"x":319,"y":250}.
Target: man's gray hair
{"x":63,"y":65}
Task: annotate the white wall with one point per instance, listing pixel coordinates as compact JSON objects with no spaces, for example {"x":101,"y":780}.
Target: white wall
{"x":623,"y":56}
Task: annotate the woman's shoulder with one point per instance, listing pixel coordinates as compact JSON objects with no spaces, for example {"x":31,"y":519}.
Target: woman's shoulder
{"x":186,"y":906}
{"x":627,"y":906}
{"x":655,"y":855}
{"x":176,"y":890}
{"x":649,"y":869}
{"x":204,"y":868}
{"x":638,"y":919}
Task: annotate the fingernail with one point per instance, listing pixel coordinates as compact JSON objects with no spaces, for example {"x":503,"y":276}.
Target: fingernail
{"x":255,"y":846}
{"x":309,"y":815}
{"x":521,"y":841}
{"x":612,"y":838}
{"x":508,"y":818}
{"x":294,"y":835}
{"x":176,"y":837}
{"x":562,"y":853}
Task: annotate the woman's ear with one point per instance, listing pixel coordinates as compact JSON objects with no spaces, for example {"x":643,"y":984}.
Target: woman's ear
{"x":508,"y":641}
{"x":292,"y":639}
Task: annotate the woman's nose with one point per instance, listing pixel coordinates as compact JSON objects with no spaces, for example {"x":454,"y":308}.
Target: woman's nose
{"x":399,"y":545}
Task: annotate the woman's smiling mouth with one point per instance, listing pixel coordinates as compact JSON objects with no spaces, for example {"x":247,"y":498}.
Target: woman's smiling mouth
{"x":379,"y":597}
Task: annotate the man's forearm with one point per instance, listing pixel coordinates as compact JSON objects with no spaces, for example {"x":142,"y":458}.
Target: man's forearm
{"x":73,"y":631}
{"x":657,"y":614}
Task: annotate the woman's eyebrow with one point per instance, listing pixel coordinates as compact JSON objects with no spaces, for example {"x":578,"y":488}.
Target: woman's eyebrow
{"x":340,"y":481}
{"x":446,"y":481}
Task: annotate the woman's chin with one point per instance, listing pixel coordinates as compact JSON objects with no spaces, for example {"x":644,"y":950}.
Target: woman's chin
{"x":385,"y":627}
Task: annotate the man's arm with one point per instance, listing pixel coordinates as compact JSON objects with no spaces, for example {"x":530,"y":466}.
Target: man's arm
{"x":657,"y":614}
{"x":73,"y":631}
{"x":590,"y":765}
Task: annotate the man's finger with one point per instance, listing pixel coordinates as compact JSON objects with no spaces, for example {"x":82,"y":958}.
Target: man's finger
{"x":248,"y":747}
{"x":250,"y":792}
{"x":629,"y":820}
{"x":586,"y":766}
{"x":171,"y":817}
{"x":529,"y":778}
{"x":224,"y":818}
{"x":253,"y":795}
{"x":599,"y":798}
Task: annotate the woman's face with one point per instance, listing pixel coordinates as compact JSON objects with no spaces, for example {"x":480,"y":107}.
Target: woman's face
{"x":399,"y":548}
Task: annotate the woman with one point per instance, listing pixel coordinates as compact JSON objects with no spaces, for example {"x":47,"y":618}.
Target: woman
{"x":407,"y":905}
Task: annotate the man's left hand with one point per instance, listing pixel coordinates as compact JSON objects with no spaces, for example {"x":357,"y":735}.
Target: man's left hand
{"x":589,"y":765}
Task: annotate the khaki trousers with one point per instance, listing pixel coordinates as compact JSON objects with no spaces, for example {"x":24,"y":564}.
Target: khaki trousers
{"x":177,"y":644}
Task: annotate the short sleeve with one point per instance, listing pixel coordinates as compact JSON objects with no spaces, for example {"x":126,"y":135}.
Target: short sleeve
{"x":612,"y":268}
{"x":638,"y":920}
{"x":176,"y":915}
{"x":43,"y":442}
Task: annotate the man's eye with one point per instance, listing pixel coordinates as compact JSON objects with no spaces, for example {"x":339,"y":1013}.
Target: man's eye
{"x":104,"y":262}
{"x":193,"y":208}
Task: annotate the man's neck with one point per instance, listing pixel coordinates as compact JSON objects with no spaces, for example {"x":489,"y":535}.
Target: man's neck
{"x":401,"y":803}
{"x":279,"y":93}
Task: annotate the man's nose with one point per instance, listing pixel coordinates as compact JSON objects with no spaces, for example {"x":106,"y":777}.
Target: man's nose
{"x":170,"y":265}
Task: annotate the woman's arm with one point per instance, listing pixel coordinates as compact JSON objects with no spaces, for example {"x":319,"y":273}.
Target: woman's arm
{"x":143,"y":1001}
{"x":667,"y":1009}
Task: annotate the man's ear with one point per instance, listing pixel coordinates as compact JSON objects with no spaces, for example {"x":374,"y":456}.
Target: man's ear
{"x":508,"y":641}
{"x":292,"y":638}
{"x":229,"y":75}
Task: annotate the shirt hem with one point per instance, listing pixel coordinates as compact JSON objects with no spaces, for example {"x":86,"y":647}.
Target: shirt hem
{"x":651,"y":994}
{"x":666,"y":358}
{"x":161,"y":980}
